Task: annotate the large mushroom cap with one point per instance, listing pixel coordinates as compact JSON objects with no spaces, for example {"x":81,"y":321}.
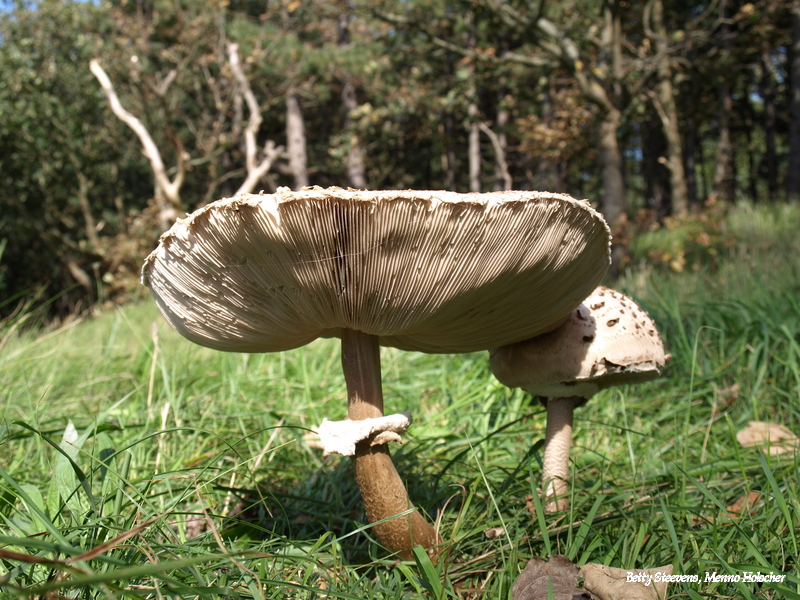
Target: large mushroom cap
{"x":608,"y":340}
{"x":427,"y":271}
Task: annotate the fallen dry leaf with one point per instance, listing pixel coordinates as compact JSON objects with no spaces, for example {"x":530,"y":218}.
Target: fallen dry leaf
{"x":195,"y":525}
{"x":743,"y":504}
{"x":538,"y":577}
{"x":530,"y":506}
{"x":493,"y":532}
{"x":610,"y":583}
{"x":777,"y":438}
{"x":599,"y":581}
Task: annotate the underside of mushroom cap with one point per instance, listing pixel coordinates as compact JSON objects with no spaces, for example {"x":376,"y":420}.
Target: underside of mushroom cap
{"x":428,"y":271}
{"x":608,"y":340}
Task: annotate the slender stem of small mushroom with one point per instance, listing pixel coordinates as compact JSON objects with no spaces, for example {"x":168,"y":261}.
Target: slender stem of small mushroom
{"x":557,"y":442}
{"x":382,"y":490}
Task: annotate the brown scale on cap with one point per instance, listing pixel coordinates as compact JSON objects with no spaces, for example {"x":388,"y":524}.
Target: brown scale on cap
{"x":568,"y":366}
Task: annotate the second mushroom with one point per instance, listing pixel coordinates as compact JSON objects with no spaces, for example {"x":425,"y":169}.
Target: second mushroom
{"x":608,"y":340}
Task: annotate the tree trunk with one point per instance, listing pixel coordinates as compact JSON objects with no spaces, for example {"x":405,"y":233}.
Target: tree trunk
{"x":614,"y":202}
{"x":551,"y":174}
{"x":474,"y":150}
{"x":474,"y":145}
{"x":793,"y":176}
{"x":668,"y":112}
{"x":722,"y":180}
{"x":502,"y":179}
{"x":690,"y":129}
{"x":449,"y":155}
{"x":356,"y":172}
{"x":705,"y":185}
{"x":748,"y":113}
{"x":296,"y":141}
{"x":657,"y":193}
{"x":770,"y":121}
{"x":562,"y":179}
{"x":722,"y":184}
{"x":690,"y":157}
{"x":598,"y":85}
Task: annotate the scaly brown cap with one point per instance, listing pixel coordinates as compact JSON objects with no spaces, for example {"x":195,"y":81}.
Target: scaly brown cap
{"x":608,"y":340}
{"x":426,"y":271}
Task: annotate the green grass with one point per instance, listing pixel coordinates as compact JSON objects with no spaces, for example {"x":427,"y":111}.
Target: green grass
{"x":168,"y":435}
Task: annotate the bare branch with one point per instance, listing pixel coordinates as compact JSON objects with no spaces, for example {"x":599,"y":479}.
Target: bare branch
{"x":659,"y":107}
{"x":171,"y":189}
{"x":511,"y":17}
{"x":254,"y":122}
{"x":271,"y":154}
{"x":499,"y":153}
{"x":161,"y":88}
{"x":646,"y":16}
{"x":566,"y":50}
{"x":507,"y":57}
{"x":255,"y":170}
{"x":390,"y":17}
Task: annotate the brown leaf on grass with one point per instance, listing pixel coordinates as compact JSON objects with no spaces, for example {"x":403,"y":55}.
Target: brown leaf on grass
{"x":538,"y":577}
{"x":777,"y":438}
{"x":195,"y":525}
{"x":530,"y":506}
{"x":29,"y":558}
{"x":493,"y":532}
{"x":609,"y":583}
{"x":743,"y":504}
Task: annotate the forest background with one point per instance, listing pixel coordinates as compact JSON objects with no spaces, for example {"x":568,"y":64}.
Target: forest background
{"x":117,"y":117}
{"x":136,"y":464}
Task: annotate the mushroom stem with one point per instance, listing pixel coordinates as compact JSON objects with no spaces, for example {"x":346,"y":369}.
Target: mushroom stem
{"x":557,"y":441}
{"x":382,"y":490}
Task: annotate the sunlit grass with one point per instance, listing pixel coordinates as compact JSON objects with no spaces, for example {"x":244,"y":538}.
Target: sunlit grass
{"x":200,"y":456}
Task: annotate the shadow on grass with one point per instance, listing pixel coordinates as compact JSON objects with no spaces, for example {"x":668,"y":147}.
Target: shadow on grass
{"x":327,"y":501}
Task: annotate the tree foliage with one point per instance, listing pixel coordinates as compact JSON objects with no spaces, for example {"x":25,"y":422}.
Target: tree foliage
{"x":647,"y":109}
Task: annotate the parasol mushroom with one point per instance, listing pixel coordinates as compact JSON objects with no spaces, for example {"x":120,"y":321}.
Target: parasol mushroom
{"x":425,"y":271}
{"x":608,"y":340}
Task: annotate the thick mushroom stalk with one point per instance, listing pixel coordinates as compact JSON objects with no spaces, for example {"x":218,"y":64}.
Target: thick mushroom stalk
{"x":382,"y":490}
{"x":557,"y":442}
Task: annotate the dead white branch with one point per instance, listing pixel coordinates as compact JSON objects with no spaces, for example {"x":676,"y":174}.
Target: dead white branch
{"x":255,"y":169}
{"x":161,"y":88}
{"x":170,"y":188}
{"x":499,"y":153}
